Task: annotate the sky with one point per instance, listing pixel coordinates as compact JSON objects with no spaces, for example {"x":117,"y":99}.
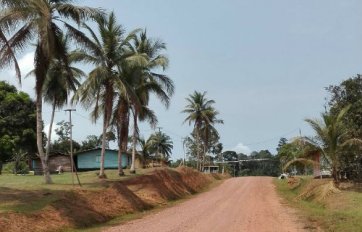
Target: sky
{"x":265,"y":63}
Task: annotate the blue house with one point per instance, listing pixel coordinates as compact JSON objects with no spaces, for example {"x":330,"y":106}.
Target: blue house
{"x":90,"y":159}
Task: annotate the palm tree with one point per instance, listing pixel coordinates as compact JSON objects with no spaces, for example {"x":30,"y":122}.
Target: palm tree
{"x":58,"y":85}
{"x":200,"y":112}
{"x":120,"y":123}
{"x":145,"y":149}
{"x":161,"y":144}
{"x":331,"y":139}
{"x":208,"y":131}
{"x":145,"y":82}
{"x":37,"y":21}
{"x":107,"y":53}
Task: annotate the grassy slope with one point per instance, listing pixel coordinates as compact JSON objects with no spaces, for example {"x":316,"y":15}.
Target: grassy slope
{"x":16,"y":192}
{"x":25,"y":201}
{"x":339,"y":212}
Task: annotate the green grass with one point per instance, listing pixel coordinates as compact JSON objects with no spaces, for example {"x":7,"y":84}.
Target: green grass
{"x":28,"y":193}
{"x":64,"y":181}
{"x":340,"y":212}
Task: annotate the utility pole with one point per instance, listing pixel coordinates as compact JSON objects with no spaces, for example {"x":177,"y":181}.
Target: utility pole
{"x":158,"y":144}
{"x":183,"y":139}
{"x":71,"y":147}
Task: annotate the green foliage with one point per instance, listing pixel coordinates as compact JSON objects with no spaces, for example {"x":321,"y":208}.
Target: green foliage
{"x":91,"y":142}
{"x":202,"y":114}
{"x":250,"y":166}
{"x":161,"y":145}
{"x":62,"y":144}
{"x":175,"y":164}
{"x":14,"y":167}
{"x":349,"y":92}
{"x":332,"y":139}
{"x":17,"y":122}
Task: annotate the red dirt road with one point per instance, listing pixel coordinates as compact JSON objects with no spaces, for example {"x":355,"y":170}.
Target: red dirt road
{"x":238,"y":204}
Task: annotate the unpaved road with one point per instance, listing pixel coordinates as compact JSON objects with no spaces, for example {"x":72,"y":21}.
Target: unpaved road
{"x":238,"y":204}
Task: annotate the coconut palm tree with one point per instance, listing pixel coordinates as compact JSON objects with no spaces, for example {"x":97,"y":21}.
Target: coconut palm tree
{"x":331,"y":139}
{"x":58,"y":85}
{"x":200,"y":112}
{"x":145,"y":82}
{"x":160,"y":144}
{"x":120,"y":123}
{"x":37,"y":22}
{"x":208,"y":131}
{"x":107,"y":53}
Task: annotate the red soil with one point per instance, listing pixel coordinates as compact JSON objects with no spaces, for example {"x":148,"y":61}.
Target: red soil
{"x":81,"y":208}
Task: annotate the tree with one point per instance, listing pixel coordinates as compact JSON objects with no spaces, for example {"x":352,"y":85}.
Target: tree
{"x":281,"y":143}
{"x":107,"y":53}
{"x":62,"y":144}
{"x":201,"y":113}
{"x":349,"y":92}
{"x":58,"y":85}
{"x":91,"y":142}
{"x":17,"y":122}
{"x":37,"y":21}
{"x":331,"y":139}
{"x":146,"y":81}
{"x":160,"y":144}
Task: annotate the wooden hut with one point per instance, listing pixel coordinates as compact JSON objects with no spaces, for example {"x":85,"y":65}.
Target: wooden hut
{"x":56,"y":159}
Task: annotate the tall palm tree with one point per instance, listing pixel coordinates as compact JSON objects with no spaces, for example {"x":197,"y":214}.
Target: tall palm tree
{"x":107,"y":53}
{"x":58,"y":85}
{"x":161,"y":144}
{"x":331,"y":139}
{"x":208,"y":131}
{"x":145,"y":81}
{"x":37,"y":21}
{"x":120,"y":123}
{"x":200,"y":112}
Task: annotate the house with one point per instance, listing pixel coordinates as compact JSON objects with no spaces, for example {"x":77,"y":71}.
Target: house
{"x":90,"y":159}
{"x":320,"y":165}
{"x":56,"y":159}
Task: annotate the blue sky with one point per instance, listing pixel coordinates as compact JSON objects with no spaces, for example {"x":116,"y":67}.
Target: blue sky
{"x":265,"y":63}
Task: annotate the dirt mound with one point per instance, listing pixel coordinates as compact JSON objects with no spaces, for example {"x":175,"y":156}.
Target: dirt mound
{"x":81,"y":208}
{"x":318,"y":190}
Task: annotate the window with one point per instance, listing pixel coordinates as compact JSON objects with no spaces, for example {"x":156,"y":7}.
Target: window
{"x":98,"y":158}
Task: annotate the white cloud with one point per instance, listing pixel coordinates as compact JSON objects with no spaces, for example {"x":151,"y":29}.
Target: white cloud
{"x":241,"y":148}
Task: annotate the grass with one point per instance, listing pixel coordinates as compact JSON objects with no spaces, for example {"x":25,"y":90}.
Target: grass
{"x":28,"y":193}
{"x":339,"y":212}
{"x":63,"y":181}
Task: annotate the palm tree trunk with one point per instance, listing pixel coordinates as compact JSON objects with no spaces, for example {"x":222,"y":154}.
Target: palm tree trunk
{"x":134,"y":138}
{"x":197,"y":148}
{"x":50,"y":130}
{"x":103,"y":151}
{"x":123,"y":137}
{"x":39,"y":138}
{"x":120,"y":168}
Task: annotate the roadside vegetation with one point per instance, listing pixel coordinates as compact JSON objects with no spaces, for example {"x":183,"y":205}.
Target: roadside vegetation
{"x":334,"y":203}
{"x":340,"y":211}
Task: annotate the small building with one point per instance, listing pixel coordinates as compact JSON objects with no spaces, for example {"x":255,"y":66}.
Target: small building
{"x":321,"y":167}
{"x":56,"y":159}
{"x":211,"y":169}
{"x":90,"y":159}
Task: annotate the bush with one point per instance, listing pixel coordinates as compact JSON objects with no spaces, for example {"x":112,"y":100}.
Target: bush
{"x":21,"y":168}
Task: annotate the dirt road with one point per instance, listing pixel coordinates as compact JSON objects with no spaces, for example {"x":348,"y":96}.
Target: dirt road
{"x":239,"y":204}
